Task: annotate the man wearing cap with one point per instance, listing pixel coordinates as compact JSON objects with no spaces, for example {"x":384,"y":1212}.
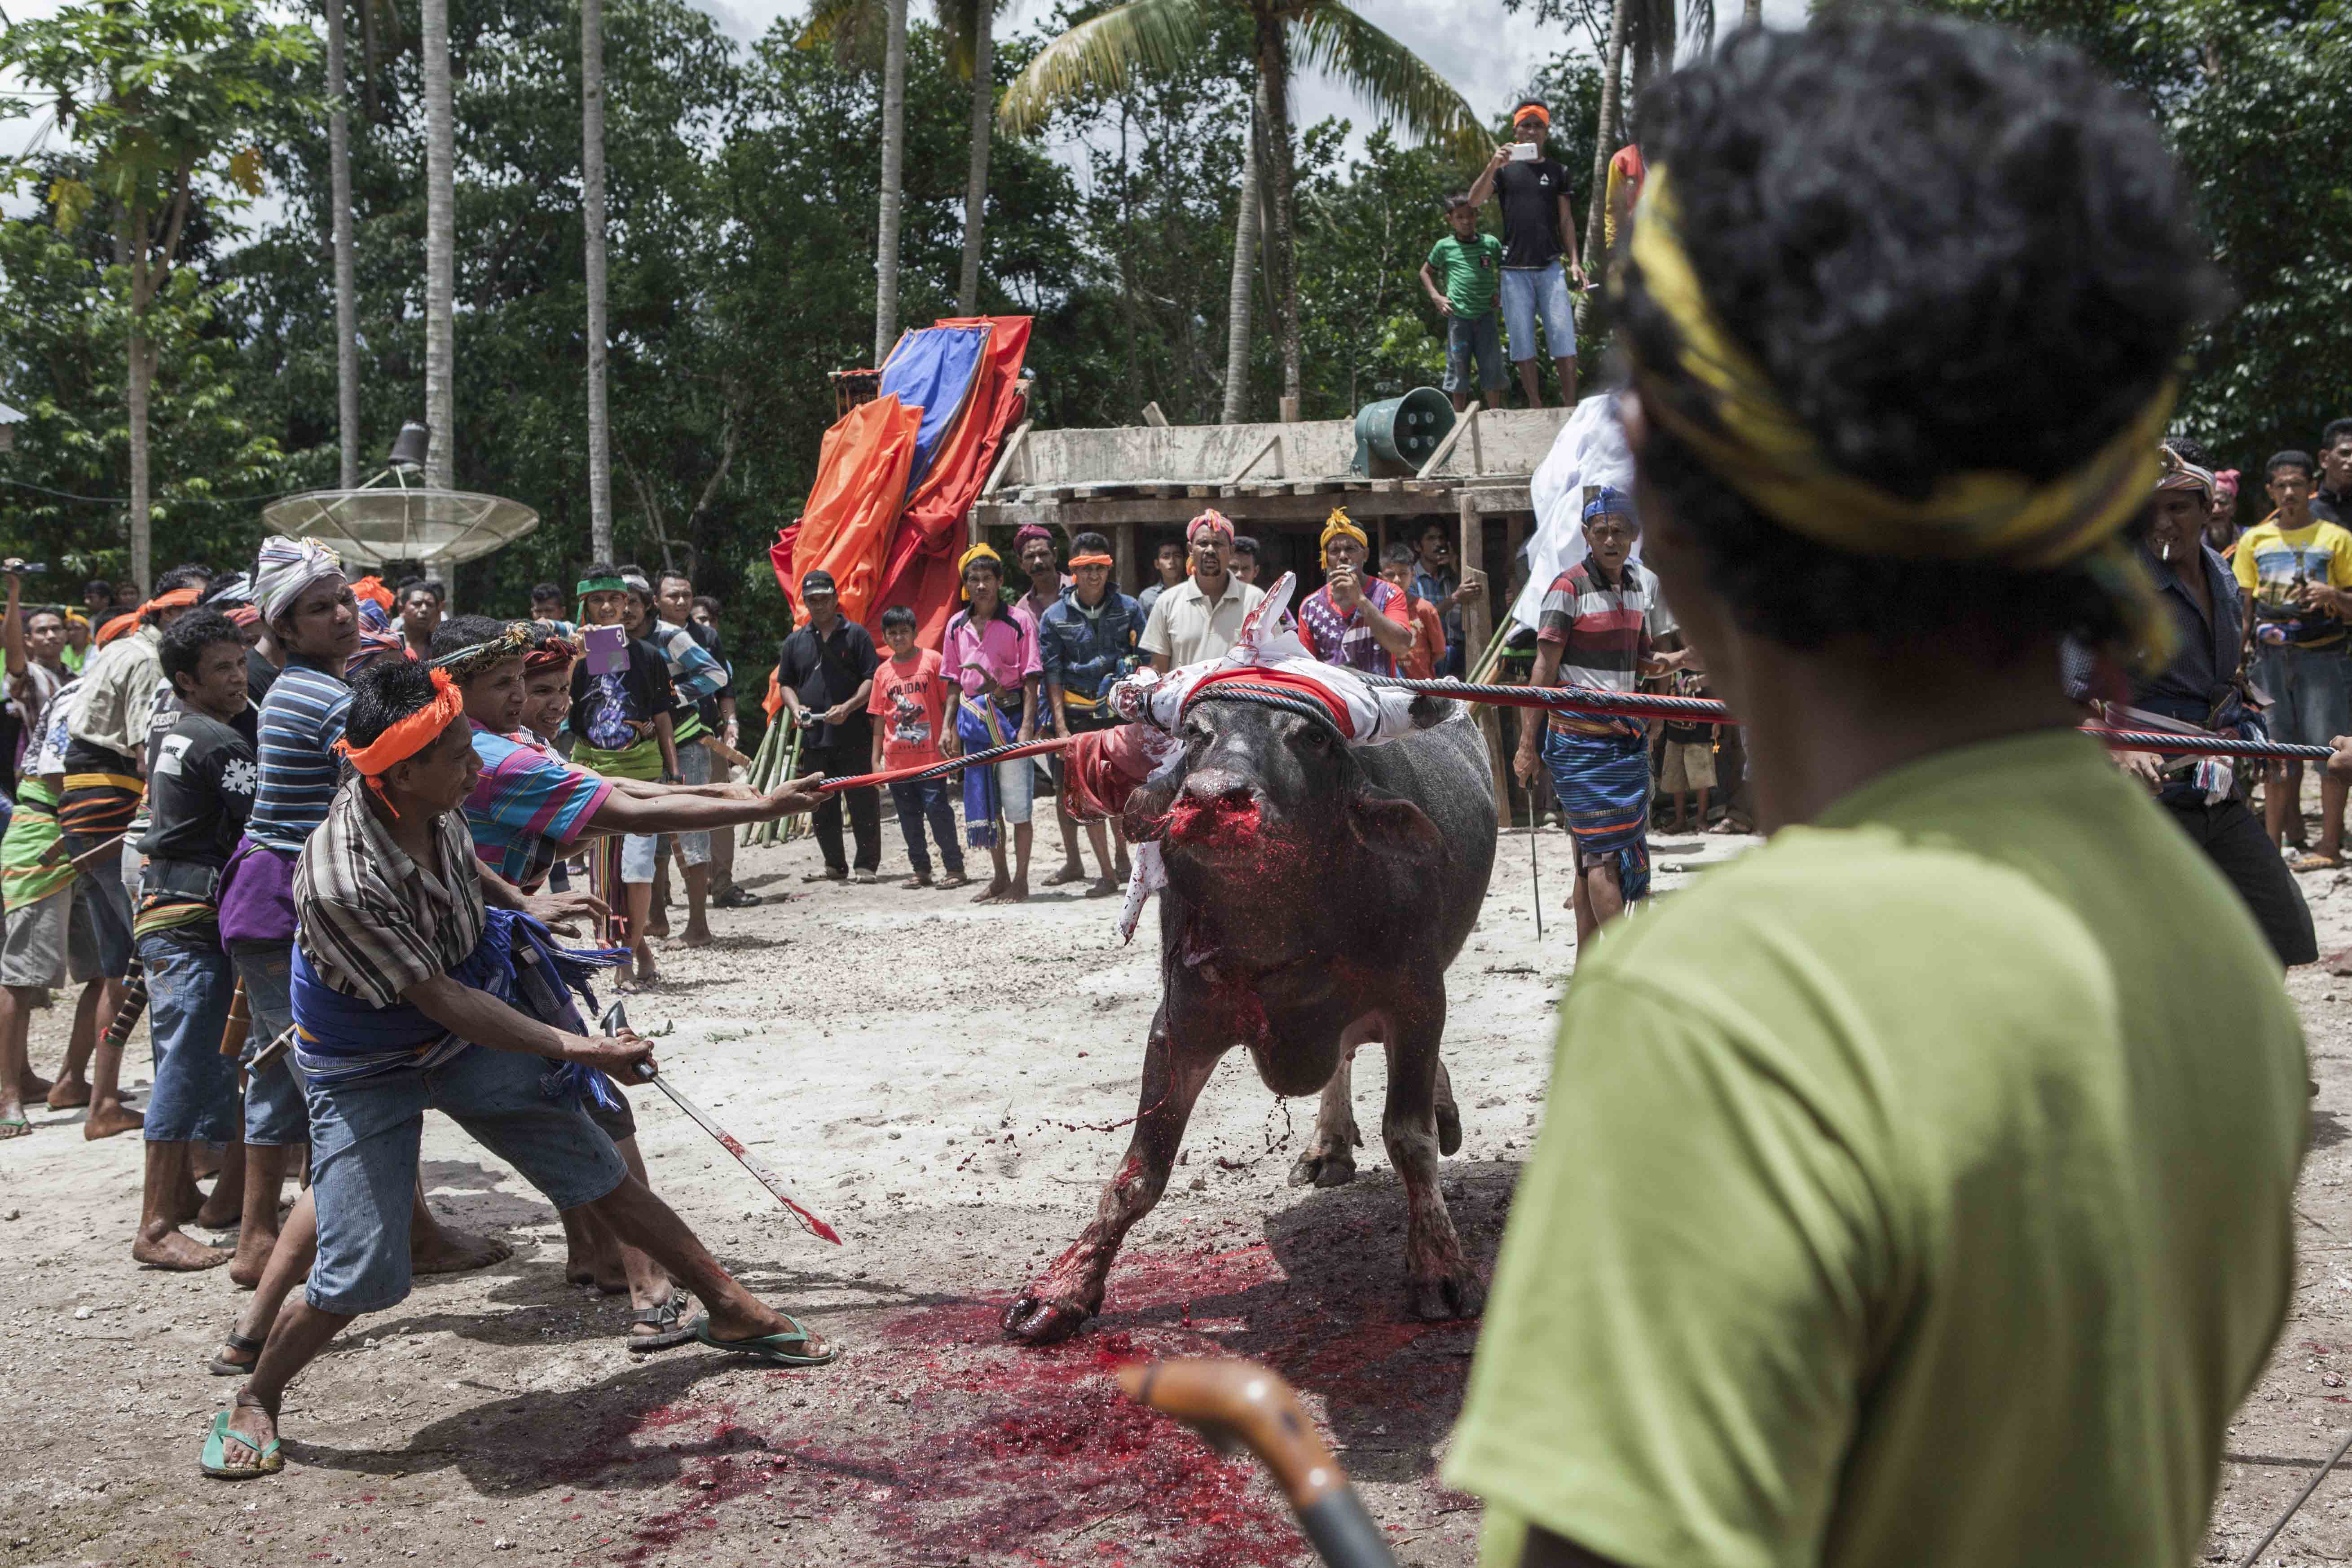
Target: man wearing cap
{"x":1540,"y":253}
{"x":1349,"y":620}
{"x":826,"y":671}
{"x":1033,"y":548}
{"x":1199,"y":617}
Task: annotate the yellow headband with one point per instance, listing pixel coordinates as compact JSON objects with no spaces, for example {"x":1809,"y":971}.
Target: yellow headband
{"x":964,"y":564}
{"x":1752,"y":441}
{"x":1336,"y":526}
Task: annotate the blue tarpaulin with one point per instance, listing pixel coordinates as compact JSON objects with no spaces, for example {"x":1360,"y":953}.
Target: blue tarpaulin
{"x":933,"y":369}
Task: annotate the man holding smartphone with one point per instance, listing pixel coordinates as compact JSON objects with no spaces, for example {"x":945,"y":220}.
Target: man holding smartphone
{"x":1539,"y":248}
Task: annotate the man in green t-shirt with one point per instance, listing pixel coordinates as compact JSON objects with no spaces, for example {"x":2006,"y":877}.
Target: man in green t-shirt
{"x":1471,"y":265}
{"x":1918,"y":1189}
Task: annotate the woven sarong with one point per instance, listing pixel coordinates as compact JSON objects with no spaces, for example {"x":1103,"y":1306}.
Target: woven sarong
{"x":1603,"y":785}
{"x":26,"y":873}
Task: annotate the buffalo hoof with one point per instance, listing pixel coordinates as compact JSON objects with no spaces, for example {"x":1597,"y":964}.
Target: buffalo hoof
{"x":1033,"y":1322}
{"x":1448,"y":1297}
{"x":1449,"y":1127}
{"x":1334,"y":1169}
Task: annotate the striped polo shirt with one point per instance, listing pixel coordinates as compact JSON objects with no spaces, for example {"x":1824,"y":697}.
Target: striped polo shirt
{"x":301,"y":717}
{"x":527,"y":806}
{"x":1603,"y":633}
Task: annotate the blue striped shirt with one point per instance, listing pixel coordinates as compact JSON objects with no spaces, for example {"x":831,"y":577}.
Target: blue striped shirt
{"x":300,"y":719}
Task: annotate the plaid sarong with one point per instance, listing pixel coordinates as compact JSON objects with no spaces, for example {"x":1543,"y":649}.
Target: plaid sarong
{"x":1603,"y":785}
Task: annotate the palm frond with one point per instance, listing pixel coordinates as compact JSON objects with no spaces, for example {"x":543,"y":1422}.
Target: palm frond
{"x":857,"y":30}
{"x":1103,"y":55}
{"x":1399,"y":84}
{"x":960,"y":21}
{"x":1698,"y":24}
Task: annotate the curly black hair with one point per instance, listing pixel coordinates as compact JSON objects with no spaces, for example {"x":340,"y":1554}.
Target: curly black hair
{"x":1951,"y":248}
{"x":384,"y":694}
{"x":466,"y":631}
{"x":186,"y":639}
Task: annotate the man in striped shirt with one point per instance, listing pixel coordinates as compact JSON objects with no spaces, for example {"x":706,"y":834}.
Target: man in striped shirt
{"x":1594,"y":631}
{"x":392,"y":978}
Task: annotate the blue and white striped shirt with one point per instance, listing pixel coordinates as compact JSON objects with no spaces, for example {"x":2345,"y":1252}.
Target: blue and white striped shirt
{"x":301,"y":717}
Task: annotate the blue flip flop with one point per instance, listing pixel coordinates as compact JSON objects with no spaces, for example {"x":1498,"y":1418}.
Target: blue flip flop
{"x":770,"y":1348}
{"x":215,"y":1459}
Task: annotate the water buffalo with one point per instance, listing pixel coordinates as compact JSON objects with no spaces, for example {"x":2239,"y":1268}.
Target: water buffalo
{"x":1315,"y":893}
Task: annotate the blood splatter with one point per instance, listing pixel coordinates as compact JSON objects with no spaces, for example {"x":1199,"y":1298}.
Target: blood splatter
{"x":1228,"y":821}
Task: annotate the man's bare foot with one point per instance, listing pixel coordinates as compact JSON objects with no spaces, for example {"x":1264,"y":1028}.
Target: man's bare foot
{"x":32,"y":1085}
{"x":992,"y":892}
{"x":446,"y":1251}
{"x":658,"y":927}
{"x":1071,"y":871}
{"x":1122,"y":869}
{"x":107,"y":1120}
{"x":1102,"y":887}
{"x":253,"y":1249}
{"x":203,"y":1163}
{"x":217,"y":1214}
{"x":696,"y":936}
{"x":162,"y":1246}
{"x":68,"y":1094}
{"x":646,"y":972}
{"x":12,"y":1122}
{"x":250,"y":1419}
{"x":1017,"y":893}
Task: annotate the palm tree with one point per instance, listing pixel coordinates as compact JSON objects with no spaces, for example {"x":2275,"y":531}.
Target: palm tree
{"x":894,"y":167}
{"x":972,"y":33}
{"x":339,"y":167}
{"x":1166,"y":36}
{"x":1604,"y":143}
{"x":1239,"y":296}
{"x":440,"y":251}
{"x":592,"y":194}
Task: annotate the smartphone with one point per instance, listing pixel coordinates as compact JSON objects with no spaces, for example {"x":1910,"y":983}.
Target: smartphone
{"x":1524,"y":152}
{"x":608,"y":650}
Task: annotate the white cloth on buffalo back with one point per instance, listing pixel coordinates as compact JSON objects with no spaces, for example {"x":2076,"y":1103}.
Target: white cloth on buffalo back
{"x":1588,"y":453}
{"x":286,"y":566}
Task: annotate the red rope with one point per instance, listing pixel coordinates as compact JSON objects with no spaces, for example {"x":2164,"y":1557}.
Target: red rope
{"x":953,"y":765}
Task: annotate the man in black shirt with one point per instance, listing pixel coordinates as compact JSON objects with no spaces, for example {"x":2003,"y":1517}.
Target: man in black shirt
{"x":826,"y":670}
{"x":2332,"y":500}
{"x":200,"y":781}
{"x":1540,"y":253}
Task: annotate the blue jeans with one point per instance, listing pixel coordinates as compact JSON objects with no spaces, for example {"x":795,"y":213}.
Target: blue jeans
{"x":927,"y":800}
{"x":188,"y":985}
{"x":275,"y":1114}
{"x":2311,"y":693}
{"x":1532,"y":292}
{"x":363,"y":1161}
{"x":1474,"y":341}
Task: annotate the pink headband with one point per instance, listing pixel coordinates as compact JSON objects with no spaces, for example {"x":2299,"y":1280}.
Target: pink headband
{"x":1210,"y":521}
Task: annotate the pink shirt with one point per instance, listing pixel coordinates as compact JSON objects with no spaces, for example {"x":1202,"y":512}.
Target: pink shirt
{"x":1006,"y":650}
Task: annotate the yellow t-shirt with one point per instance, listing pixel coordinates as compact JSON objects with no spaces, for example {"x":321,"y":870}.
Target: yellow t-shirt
{"x":1916,"y":1189}
{"x":2268,"y":559}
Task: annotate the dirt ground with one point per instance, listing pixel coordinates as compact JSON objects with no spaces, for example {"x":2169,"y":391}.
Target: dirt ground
{"x":944,"y":1081}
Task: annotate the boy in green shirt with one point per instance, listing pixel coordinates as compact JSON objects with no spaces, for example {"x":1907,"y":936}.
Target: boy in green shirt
{"x":1471,"y":264}
{"x":1919,"y":1189}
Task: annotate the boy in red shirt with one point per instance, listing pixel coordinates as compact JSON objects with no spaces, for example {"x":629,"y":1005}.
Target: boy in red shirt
{"x":1428,"y":651}
{"x":911,"y":699}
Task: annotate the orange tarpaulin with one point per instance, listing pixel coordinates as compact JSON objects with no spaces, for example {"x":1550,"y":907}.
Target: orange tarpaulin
{"x":852,"y":509}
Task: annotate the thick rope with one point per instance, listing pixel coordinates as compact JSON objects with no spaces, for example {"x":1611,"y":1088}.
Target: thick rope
{"x":953,"y":765}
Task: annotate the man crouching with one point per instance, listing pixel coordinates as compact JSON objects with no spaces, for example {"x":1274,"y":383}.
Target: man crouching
{"x":396,"y":962}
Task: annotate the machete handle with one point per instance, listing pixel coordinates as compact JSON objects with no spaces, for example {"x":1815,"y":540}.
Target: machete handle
{"x":1236,"y":1403}
{"x":615,"y":1019}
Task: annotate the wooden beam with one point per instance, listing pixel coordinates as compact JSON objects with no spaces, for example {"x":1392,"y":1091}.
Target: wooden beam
{"x":1477,"y":627}
{"x":1122,"y":549}
{"x":1469,"y":420}
{"x":1268,"y":445}
{"x":1004,"y":458}
{"x":1244,"y":504}
{"x":1153,"y":418}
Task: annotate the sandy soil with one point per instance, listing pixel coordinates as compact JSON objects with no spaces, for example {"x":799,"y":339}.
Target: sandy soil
{"x":944,"y":1079}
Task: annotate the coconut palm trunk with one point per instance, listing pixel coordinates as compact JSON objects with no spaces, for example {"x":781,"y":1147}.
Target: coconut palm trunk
{"x":440,"y":251}
{"x":1605,"y":144}
{"x":592,"y":194}
{"x":894,"y":166}
{"x":142,"y":523}
{"x":1239,"y":293}
{"x":338,"y":176}
{"x":984,"y":124}
{"x":1273,"y":60}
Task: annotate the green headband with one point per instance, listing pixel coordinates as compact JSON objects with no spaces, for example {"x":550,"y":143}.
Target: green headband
{"x":600,"y":585}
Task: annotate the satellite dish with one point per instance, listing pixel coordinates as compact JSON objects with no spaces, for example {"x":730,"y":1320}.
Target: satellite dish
{"x":394,"y":519}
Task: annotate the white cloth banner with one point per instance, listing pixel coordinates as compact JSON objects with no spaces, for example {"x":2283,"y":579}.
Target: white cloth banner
{"x":1589,"y":451}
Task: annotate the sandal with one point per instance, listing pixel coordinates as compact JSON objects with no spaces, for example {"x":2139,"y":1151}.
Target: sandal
{"x":664,"y":1322}
{"x":2311,"y":862}
{"x":958,"y":880}
{"x":15,"y":1127}
{"x":1064,"y":876}
{"x":913,"y":882}
{"x":770,"y":1348}
{"x":735,"y":899}
{"x":825,"y":875}
{"x":221,"y":1366}
{"x":215,"y":1461}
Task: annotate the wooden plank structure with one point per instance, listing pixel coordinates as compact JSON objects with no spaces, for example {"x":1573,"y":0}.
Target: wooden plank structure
{"x":1138,"y":485}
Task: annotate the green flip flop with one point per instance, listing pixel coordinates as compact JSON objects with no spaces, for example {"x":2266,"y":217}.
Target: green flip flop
{"x":16,"y":1126}
{"x":216,"y":1460}
{"x":770,"y":1348}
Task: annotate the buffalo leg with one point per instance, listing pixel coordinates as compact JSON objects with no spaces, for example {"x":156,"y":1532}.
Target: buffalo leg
{"x":1330,"y":1157}
{"x":1058,"y":1302}
{"x":1438,"y":1277}
{"x":1449,"y":1115}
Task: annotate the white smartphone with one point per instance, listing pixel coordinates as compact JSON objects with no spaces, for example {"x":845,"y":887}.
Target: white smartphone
{"x":1524,"y":152}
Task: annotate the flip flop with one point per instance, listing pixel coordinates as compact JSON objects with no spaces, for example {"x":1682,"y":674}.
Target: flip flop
{"x":769,"y":1348}
{"x":221,"y":1366}
{"x":664,"y":1320}
{"x":15,"y":1127}
{"x":215,"y":1457}
{"x":2309,"y":862}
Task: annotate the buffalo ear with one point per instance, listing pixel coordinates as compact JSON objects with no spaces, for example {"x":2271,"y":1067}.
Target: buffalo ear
{"x":1391,"y":822}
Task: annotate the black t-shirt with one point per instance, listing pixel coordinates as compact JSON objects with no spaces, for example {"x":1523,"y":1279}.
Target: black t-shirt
{"x":200,"y":776}
{"x":1530,"y":195}
{"x":600,"y":702}
{"x":821,"y":681}
{"x":260,"y":675}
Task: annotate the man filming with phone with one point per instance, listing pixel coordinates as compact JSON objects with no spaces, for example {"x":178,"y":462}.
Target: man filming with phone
{"x":1539,"y":248}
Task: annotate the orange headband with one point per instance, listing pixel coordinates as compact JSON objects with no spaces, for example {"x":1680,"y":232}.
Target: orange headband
{"x":177,"y":599}
{"x":405,"y":738}
{"x":1092,"y":561}
{"x":1535,"y":111}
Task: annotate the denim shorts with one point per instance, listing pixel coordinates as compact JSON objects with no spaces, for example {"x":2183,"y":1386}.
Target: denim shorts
{"x":1532,"y":292}
{"x":1479,"y":339}
{"x":189,"y":981}
{"x":106,"y":903}
{"x":275,"y":1113}
{"x":363,"y":1161}
{"x":2311,"y":693}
